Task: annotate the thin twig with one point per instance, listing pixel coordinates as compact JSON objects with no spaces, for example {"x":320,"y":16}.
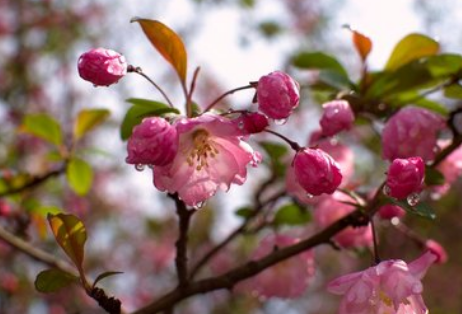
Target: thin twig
{"x":190,"y":93}
{"x":216,"y":101}
{"x":139,"y":71}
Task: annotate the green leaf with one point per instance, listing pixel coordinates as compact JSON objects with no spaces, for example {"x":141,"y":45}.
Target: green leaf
{"x":422,"y":209}
{"x":71,"y":235}
{"x":412,"y":47}
{"x":275,"y":151}
{"x":416,"y":99}
{"x":141,"y":109}
{"x":453,"y":91}
{"x":105,"y":275}
{"x":44,"y":127}
{"x":318,"y":61}
{"x":335,"y":80}
{"x":52,"y":280}
{"x":444,"y":65}
{"x":292,"y":215}
{"x":433,"y":176}
{"x":87,"y":120}
{"x":167,"y":43}
{"x":79,"y":175}
{"x":45,"y":210}
{"x":245,"y":212}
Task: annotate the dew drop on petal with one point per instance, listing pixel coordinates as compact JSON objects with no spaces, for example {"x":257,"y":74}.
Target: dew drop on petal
{"x":280,"y":121}
{"x":199,"y":205}
{"x":308,"y":195}
{"x":240,"y":125}
{"x":413,"y":199}
{"x":139,"y":167}
{"x":386,"y":190}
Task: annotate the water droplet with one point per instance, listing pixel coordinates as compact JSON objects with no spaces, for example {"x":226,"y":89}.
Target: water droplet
{"x":150,"y":166}
{"x":139,"y":167}
{"x":280,"y":121}
{"x":395,"y":221}
{"x":413,"y":199}
{"x":199,"y":205}
{"x":240,"y":125}
{"x":308,"y":195}
{"x":386,"y":190}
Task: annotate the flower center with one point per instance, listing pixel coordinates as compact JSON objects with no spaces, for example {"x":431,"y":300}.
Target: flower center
{"x":202,"y":150}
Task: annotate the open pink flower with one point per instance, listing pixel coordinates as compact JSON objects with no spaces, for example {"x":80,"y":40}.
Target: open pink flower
{"x":277,"y":95}
{"x":211,"y":155}
{"x":287,"y":279}
{"x":102,"y":67}
{"x":411,"y":132}
{"x":405,"y":176}
{"x":392,"y":286}
{"x":330,"y":209}
{"x":316,"y":171}
{"x":337,"y":116}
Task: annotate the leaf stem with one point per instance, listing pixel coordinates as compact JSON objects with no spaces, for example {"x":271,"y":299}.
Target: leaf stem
{"x":139,"y":71}
{"x":216,"y":101}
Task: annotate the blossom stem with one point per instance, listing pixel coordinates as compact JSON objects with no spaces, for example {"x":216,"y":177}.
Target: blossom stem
{"x":216,"y":101}
{"x":189,"y":110}
{"x":139,"y":71}
{"x":377,"y":259}
{"x":292,"y":144}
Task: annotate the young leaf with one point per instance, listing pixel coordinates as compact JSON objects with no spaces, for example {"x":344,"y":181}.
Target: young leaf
{"x":291,"y":214}
{"x":167,"y":42}
{"x":52,"y":280}
{"x":141,"y":109}
{"x":44,"y":127}
{"x":363,"y":44}
{"x":412,"y":47}
{"x":105,"y":275}
{"x":79,"y":176}
{"x":245,"y":212}
{"x":318,"y":61}
{"x":433,"y":176}
{"x":70,"y":233}
{"x":87,"y":120}
{"x":421,"y":209}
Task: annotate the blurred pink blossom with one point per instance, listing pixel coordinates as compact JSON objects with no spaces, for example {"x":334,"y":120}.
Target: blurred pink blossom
{"x":277,"y":95}
{"x":331,"y":209}
{"x":102,"y":67}
{"x":287,"y":279}
{"x":390,"y":211}
{"x":438,"y":250}
{"x":405,"y":176}
{"x":451,"y":168}
{"x":393,"y":286}
{"x":153,"y":142}
{"x":211,"y":156}
{"x":337,"y":116}
{"x":411,"y":132}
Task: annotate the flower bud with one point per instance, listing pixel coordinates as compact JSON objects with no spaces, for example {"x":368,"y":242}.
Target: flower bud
{"x":337,"y":116}
{"x":405,"y":176}
{"x":277,"y":95}
{"x":153,"y":142}
{"x":438,"y":250}
{"x":251,"y":123}
{"x":316,"y":171}
{"x":102,"y":67}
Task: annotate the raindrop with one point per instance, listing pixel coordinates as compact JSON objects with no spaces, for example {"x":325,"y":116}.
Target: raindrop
{"x":150,"y":166}
{"x":413,"y":199}
{"x":386,"y":190}
{"x":395,"y":221}
{"x":280,"y":121}
{"x":308,"y":195}
{"x":199,"y":205}
{"x":240,"y":125}
{"x":139,"y":167}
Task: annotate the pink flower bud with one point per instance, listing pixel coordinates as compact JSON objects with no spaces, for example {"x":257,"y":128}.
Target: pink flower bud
{"x":390,"y":211}
{"x":337,"y":116}
{"x":405,"y":176}
{"x":411,"y":132}
{"x":316,"y":171}
{"x":277,"y":95}
{"x":102,"y":67}
{"x":438,"y":250}
{"x":252,"y":122}
{"x":153,"y":142}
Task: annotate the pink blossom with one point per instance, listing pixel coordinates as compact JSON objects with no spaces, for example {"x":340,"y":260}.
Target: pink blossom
{"x":405,"y":176}
{"x":102,"y":67}
{"x":277,"y":95}
{"x":390,"y":211}
{"x":411,"y":132}
{"x":438,"y":250}
{"x":251,"y":123}
{"x":392,"y":286}
{"x":153,"y":142}
{"x":451,"y":168}
{"x":211,"y":155}
{"x":287,"y":279}
{"x":316,"y":171}
{"x":330,"y":209}
{"x":337,"y":116}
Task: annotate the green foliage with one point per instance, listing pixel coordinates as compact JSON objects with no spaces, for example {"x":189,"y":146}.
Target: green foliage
{"x":275,"y":152}
{"x":79,"y":175}
{"x":245,"y":212}
{"x":43,"y":126}
{"x":292,"y":215}
{"x":421,"y":209}
{"x":141,"y":109}
{"x":87,"y":120}
{"x":433,"y":176}
{"x":52,"y":280}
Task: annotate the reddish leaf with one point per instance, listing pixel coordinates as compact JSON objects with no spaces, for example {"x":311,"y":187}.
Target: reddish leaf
{"x":71,"y":235}
{"x":168,"y":43}
{"x":363,"y":44}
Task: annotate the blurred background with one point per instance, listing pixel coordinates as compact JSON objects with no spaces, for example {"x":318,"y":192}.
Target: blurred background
{"x":131,"y":226}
